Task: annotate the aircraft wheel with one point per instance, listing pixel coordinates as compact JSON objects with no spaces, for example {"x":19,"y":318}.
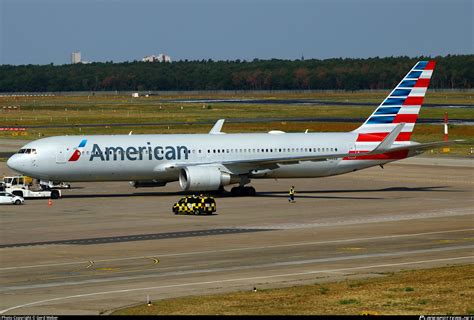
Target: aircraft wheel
{"x":249,"y":191}
{"x":243,"y":191}
{"x":236,"y":191}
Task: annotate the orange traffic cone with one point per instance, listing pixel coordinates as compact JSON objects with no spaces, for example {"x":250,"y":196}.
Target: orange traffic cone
{"x":50,"y":202}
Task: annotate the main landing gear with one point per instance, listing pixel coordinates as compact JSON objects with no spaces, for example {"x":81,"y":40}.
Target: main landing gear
{"x":243,"y":191}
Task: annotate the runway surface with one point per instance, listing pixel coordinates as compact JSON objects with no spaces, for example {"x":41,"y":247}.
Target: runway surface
{"x":107,"y":245}
{"x":315,"y":102}
{"x":454,"y":121}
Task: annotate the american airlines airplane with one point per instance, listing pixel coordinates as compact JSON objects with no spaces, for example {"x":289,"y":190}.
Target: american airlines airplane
{"x":205,"y":162}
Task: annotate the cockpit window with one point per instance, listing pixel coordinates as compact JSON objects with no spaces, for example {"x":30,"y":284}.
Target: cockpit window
{"x":33,"y":151}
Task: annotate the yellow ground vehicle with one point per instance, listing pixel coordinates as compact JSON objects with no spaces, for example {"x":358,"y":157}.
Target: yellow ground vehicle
{"x":195,"y":205}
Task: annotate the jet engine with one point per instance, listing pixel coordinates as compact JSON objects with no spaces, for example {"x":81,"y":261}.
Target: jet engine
{"x":203,"y":178}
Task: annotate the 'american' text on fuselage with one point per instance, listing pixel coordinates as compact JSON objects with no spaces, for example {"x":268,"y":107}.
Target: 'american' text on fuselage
{"x":139,"y":153}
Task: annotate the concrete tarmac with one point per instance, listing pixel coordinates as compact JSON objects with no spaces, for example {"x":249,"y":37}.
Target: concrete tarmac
{"x":108,"y":245}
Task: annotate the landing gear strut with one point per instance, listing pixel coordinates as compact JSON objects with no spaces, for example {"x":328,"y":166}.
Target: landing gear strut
{"x":243,"y":191}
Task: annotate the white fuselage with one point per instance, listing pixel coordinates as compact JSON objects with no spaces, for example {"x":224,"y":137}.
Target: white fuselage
{"x":152,"y":157}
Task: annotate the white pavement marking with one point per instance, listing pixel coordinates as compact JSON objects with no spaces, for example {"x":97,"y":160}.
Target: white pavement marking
{"x":227,"y":269}
{"x":376,"y":219}
{"x":229,"y":280}
{"x":243,"y":249}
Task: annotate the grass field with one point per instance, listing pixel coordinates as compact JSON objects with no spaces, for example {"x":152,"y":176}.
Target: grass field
{"x":429,"y":291}
{"x":82,"y":110}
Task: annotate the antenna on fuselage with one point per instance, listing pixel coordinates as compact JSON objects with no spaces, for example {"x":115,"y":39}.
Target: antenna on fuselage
{"x":130,"y":133}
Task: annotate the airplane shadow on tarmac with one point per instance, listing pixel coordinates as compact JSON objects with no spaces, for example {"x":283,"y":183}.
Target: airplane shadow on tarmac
{"x":124,"y":195}
{"x":276,"y":194}
{"x":301,"y":193}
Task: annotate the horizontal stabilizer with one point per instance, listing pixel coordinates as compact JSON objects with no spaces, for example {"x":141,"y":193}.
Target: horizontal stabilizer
{"x":425,"y":146}
{"x":387,"y":143}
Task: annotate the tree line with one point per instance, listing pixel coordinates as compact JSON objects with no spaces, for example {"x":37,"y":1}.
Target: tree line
{"x":452,"y":71}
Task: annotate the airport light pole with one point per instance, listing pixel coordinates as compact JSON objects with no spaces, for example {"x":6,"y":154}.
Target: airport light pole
{"x":446,"y":149}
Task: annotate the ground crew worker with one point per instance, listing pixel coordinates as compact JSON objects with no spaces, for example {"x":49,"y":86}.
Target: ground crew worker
{"x":291,"y":194}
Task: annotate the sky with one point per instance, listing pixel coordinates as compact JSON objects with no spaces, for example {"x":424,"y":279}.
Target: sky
{"x":48,"y":31}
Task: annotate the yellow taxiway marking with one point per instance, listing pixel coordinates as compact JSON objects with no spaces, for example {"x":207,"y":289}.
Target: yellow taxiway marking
{"x":454,"y":240}
{"x":352,"y":248}
{"x":97,"y":271}
{"x":107,"y":269}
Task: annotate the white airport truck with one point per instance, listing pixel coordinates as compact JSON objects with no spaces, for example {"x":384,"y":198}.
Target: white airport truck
{"x":27,"y":187}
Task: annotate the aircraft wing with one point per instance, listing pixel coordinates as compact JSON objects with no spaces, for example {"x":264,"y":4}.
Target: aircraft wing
{"x":289,"y":160}
{"x":273,"y":163}
{"x":242,"y":166}
{"x":216,"y":129}
{"x":258,"y":163}
{"x":382,"y":147}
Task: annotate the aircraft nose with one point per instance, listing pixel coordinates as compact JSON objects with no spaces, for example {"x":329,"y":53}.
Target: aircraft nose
{"x":12,"y":163}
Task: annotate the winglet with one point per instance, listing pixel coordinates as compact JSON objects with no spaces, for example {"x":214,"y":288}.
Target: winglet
{"x":216,"y":129}
{"x":387,"y":143}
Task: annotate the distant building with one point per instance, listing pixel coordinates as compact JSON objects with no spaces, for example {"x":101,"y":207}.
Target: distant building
{"x":159,"y":58}
{"x":75,"y":57}
{"x":149,"y":59}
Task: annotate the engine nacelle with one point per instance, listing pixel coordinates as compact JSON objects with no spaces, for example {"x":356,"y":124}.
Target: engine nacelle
{"x":147,"y":183}
{"x":202,"y":178}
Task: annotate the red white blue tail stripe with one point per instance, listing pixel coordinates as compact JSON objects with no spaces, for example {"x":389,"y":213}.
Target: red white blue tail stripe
{"x":402,"y":105}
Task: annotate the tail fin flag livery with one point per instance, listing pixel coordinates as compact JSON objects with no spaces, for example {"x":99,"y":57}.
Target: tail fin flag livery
{"x":402,"y":105}
{"x":211,"y":161}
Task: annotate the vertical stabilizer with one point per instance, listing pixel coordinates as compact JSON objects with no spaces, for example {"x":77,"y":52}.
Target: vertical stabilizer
{"x":402,"y":105}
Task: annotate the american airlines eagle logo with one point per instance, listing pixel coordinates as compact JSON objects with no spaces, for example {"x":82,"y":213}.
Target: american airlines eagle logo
{"x":77,"y":153}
